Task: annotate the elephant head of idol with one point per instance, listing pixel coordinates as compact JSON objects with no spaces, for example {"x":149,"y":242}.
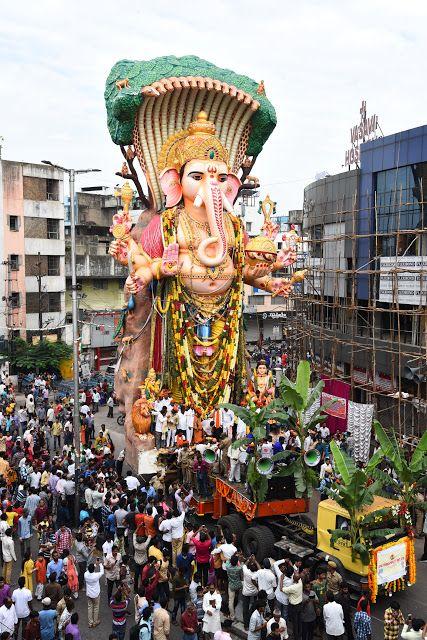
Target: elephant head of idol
{"x":194,"y":170}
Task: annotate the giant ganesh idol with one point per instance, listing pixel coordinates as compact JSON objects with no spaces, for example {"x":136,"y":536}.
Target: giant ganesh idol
{"x":193,"y":128}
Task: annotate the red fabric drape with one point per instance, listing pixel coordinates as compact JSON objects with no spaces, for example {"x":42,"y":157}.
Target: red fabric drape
{"x":340,"y":390}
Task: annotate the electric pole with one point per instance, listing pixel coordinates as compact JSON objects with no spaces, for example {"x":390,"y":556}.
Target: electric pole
{"x":39,"y":282}
{"x":75,"y":312}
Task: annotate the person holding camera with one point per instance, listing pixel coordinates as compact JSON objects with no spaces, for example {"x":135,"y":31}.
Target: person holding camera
{"x":413,"y":629}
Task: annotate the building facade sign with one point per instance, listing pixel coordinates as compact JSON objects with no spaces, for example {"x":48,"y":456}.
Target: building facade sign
{"x":274,"y":315}
{"x":399,"y":285}
{"x":361,"y":132}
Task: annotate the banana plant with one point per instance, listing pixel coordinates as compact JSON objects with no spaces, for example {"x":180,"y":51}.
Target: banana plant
{"x":354,"y":492}
{"x":410,"y":474}
{"x":256,"y":421}
{"x":298,"y":398}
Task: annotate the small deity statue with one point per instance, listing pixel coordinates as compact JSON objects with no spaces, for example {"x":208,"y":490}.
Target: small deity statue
{"x":141,"y":414}
{"x":261,"y":390}
{"x":151,"y":386}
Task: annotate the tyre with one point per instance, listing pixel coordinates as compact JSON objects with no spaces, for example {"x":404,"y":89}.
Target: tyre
{"x":121,"y":419}
{"x":258,"y":540}
{"x":235,"y":524}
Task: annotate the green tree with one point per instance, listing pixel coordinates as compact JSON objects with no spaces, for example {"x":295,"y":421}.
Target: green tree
{"x":354,"y":493}
{"x":42,"y":356}
{"x":410,"y":470}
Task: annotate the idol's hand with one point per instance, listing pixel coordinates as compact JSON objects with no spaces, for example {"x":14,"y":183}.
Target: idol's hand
{"x":280,"y":287}
{"x":259,"y":270}
{"x":134,"y":284}
{"x":119,"y":250}
{"x":286,"y":257}
{"x":169,"y":266}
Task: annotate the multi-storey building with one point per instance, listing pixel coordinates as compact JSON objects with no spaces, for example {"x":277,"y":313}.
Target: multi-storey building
{"x":364,"y":310}
{"x":101,"y":278}
{"x":266,"y":317}
{"x":32,"y":251}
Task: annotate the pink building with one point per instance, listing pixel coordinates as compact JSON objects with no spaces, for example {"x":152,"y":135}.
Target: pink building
{"x":32,"y":250}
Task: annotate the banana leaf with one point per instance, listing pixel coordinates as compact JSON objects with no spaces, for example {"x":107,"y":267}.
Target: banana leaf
{"x":345,"y":465}
{"x":363,"y":552}
{"x":315,"y":393}
{"x":380,"y":533}
{"x":302,"y":384}
{"x":419,"y":457}
{"x":338,"y":534}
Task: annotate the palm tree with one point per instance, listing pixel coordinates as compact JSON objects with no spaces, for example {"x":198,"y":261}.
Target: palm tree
{"x":410,"y":474}
{"x":354,"y":492}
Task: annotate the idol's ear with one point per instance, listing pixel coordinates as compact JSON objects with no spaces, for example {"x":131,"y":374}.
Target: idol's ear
{"x":233,"y":184}
{"x":171,"y":186}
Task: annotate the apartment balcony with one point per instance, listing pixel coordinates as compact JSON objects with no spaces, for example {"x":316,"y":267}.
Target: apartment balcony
{"x":97,"y":267}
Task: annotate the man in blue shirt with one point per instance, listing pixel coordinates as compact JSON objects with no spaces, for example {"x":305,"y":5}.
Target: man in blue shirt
{"x":184,"y":560}
{"x":55,"y":565}
{"x":47,"y":618}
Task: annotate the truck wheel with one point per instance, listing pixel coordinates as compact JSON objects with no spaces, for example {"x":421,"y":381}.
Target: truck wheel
{"x":258,"y":540}
{"x":233,"y":523}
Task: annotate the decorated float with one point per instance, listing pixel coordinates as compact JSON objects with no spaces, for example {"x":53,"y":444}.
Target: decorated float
{"x":195,"y":131}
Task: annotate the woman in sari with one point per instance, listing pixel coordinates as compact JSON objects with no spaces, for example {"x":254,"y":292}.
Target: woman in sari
{"x":70,"y":571}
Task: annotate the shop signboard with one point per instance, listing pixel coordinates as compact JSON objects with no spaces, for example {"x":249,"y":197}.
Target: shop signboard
{"x":403,"y":279}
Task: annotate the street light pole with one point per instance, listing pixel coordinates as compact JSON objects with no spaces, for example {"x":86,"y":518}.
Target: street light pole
{"x":76,"y":339}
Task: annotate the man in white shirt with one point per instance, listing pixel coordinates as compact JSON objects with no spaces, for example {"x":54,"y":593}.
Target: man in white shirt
{"x":227,"y":549}
{"x":257,"y":623}
{"x":283,"y":629}
{"x":324,"y":431}
{"x":95,"y":401}
{"x":325,"y":467}
{"x":189,"y":415}
{"x":294,"y":593}
{"x":177,"y":533}
{"x":417,"y":632}
{"x":8,"y":617}
{"x":132,"y":482}
{"x":249,"y":588}
{"x":333,"y":616}
{"x":92,"y":577}
{"x":21,"y":598}
{"x":267,"y":580}
{"x":182,"y":421}
{"x":182,"y":503}
{"x":161,"y":421}
{"x":227,"y":418}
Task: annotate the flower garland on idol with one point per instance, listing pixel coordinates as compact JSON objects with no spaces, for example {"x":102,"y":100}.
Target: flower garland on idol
{"x":201,"y":387}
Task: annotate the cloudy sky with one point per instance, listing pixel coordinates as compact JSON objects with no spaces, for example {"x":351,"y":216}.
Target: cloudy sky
{"x":318,"y":59}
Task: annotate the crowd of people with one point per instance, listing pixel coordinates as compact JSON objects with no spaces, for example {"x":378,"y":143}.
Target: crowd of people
{"x":134,"y":547}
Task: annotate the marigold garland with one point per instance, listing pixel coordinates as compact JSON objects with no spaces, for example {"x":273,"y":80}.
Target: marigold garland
{"x":203,"y":386}
{"x":394,"y":585}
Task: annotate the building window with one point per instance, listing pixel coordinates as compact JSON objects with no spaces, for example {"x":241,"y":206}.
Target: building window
{"x":249,"y":227}
{"x":400,"y":208}
{"x":53,"y":229}
{"x":52,"y":189}
{"x":100,"y":284}
{"x":15,"y":300}
{"x":14,"y":223}
{"x":54,"y":302}
{"x":53,"y":266}
{"x":14,"y":262}
{"x":256,"y":300}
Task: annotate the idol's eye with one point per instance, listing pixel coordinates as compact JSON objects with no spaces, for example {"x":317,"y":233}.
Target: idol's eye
{"x":196,"y":175}
{"x":222,"y":177}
